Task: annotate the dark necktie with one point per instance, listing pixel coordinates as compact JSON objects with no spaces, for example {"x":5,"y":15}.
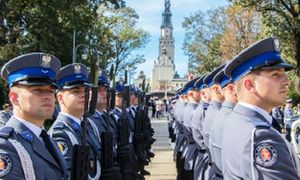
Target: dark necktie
{"x":49,"y":145}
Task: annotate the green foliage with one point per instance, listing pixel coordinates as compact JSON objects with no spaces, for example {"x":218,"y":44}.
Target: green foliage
{"x":202,"y":39}
{"x":48,"y":26}
{"x":280,"y":18}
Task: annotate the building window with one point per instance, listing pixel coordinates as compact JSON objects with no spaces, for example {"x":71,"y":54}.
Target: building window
{"x":181,"y":84}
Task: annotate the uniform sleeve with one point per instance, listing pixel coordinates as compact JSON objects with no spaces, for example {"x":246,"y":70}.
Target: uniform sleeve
{"x":195,"y":124}
{"x":64,"y":144}
{"x":10,"y":163}
{"x":270,"y":156}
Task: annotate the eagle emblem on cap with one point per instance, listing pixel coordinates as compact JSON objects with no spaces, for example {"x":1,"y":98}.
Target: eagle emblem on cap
{"x":77,"y":69}
{"x":46,"y":60}
{"x":276,"y":45}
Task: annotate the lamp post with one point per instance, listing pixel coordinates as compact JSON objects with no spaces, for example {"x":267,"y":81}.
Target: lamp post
{"x":75,"y":53}
{"x":75,"y":48}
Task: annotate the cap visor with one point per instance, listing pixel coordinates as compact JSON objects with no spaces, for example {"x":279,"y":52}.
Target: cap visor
{"x":36,"y":83}
{"x":76,"y":84}
{"x":286,"y":66}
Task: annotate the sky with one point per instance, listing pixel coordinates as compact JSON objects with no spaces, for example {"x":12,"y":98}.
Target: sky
{"x":150,"y":19}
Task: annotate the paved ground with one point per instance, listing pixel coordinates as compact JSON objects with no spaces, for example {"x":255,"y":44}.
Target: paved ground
{"x":162,"y":166}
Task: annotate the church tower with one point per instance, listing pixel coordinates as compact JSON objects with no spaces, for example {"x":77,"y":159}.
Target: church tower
{"x":164,"y":68}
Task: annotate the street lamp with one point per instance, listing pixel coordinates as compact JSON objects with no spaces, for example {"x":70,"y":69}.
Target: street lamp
{"x":75,"y":48}
{"x":75,"y":52}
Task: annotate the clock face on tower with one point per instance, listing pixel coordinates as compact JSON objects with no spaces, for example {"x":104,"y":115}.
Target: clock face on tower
{"x":167,"y":32}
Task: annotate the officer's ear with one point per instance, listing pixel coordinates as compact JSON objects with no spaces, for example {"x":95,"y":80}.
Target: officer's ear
{"x":249,"y":83}
{"x":13,"y":95}
{"x":59,"y":97}
{"x":232,"y":90}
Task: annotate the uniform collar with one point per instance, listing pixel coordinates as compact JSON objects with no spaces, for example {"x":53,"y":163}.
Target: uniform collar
{"x":75,"y":119}
{"x":119,"y":109}
{"x":100,"y":113}
{"x":261,"y":111}
{"x":32,"y":127}
{"x":228,"y":104}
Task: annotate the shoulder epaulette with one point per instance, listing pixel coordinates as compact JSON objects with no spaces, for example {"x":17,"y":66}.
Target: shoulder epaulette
{"x":262,"y":126}
{"x":5,"y":132}
{"x":59,"y":125}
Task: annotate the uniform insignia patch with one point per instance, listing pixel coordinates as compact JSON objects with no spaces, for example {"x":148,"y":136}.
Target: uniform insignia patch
{"x":27,"y":135}
{"x":63,"y":147}
{"x":5,"y":164}
{"x":265,"y":155}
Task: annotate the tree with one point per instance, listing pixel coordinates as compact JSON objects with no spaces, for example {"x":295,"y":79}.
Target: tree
{"x":280,"y":18}
{"x":203,"y":34}
{"x":120,"y":37}
{"x":243,"y":28}
{"x":35,"y":25}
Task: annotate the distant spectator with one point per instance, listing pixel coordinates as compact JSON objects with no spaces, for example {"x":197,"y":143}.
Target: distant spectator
{"x":277,"y":114}
{"x":288,"y":113}
{"x":5,"y":114}
{"x":153,"y":106}
{"x":158,"y":109}
{"x":298,"y":108}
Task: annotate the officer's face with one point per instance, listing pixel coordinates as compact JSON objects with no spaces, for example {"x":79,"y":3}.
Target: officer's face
{"x":205,"y":94}
{"x":102,"y":93}
{"x":133,"y":99}
{"x":270,"y":87}
{"x":33,"y":103}
{"x":119,"y":100}
{"x":229,"y":93}
{"x":72,"y":100}
{"x":197,"y":96}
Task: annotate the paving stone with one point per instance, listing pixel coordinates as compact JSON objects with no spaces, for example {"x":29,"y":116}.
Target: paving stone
{"x":162,"y":166}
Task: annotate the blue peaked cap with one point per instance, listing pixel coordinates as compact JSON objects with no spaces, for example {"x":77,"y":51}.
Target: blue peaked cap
{"x":222,"y":79}
{"x":119,"y":86}
{"x":208,"y":79}
{"x":191,"y":84}
{"x":31,"y":69}
{"x":72,"y":75}
{"x":262,"y":54}
{"x":103,"y":78}
{"x":199,"y":84}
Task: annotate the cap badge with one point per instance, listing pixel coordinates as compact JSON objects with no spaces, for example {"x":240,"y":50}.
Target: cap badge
{"x":276,"y":45}
{"x":46,"y":60}
{"x":77,"y":69}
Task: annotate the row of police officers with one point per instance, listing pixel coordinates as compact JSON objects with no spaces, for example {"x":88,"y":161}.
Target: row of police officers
{"x":36,"y":82}
{"x":222,"y":120}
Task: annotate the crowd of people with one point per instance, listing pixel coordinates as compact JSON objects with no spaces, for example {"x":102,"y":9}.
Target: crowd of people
{"x":222,"y":122}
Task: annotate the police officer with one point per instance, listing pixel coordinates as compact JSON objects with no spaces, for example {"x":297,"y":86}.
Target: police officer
{"x":193,"y":98}
{"x":66,"y":130}
{"x":100,"y":114}
{"x":126,"y":152}
{"x":197,"y":127}
{"x":220,"y":120}
{"x":180,"y":139}
{"x":5,"y":114}
{"x":26,"y":151}
{"x":102,"y":122}
{"x":251,"y":149}
{"x":212,"y":109}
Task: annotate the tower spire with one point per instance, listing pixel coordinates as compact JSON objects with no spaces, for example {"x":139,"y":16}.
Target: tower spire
{"x":167,"y":15}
